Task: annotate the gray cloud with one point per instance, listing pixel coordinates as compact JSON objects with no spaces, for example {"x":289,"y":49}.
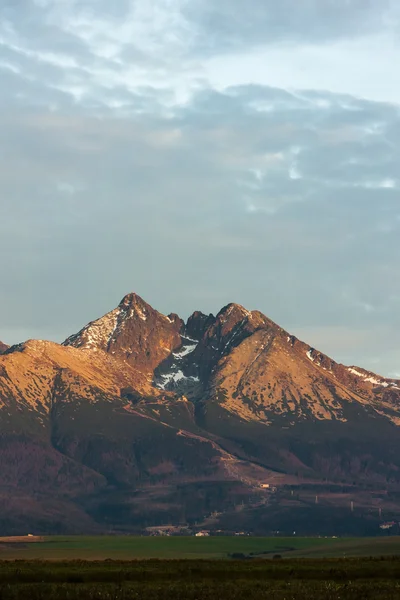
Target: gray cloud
{"x":115,"y":178}
{"x":229,"y":24}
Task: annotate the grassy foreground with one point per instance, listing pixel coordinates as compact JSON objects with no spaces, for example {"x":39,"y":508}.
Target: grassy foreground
{"x":131,"y":547}
{"x":287,"y":579}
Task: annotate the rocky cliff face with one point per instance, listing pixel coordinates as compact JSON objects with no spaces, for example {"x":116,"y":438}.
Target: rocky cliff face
{"x":272,"y":376}
{"x":133,"y":332}
{"x":198,"y":323}
{"x":3,"y":347}
{"x":137,"y":400}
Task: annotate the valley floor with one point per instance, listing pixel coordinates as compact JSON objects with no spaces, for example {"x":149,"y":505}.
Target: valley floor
{"x":123,"y":548}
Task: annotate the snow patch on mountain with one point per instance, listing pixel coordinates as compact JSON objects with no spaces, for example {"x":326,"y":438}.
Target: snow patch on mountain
{"x":100,"y":333}
{"x":175,"y":376}
{"x":184,"y":351}
{"x":310,"y":356}
{"x":96,"y":334}
{"x":368,"y":378}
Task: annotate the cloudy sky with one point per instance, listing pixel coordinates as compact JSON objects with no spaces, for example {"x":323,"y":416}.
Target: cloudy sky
{"x":201,"y":152}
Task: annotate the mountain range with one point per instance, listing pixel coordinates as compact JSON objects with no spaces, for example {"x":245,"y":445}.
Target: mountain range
{"x":226,"y":422}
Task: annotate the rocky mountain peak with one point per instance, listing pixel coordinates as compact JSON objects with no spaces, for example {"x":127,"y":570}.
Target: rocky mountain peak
{"x":233,"y":324}
{"x":3,"y":347}
{"x":219,"y":335}
{"x":233,"y":308}
{"x":134,"y":331}
{"x":205,"y":340}
{"x":195,"y":358}
{"x":133,"y":306}
{"x":133,"y":301}
{"x":229,"y":318}
{"x":198,"y":323}
{"x":141,"y":400}
{"x":178,"y":323}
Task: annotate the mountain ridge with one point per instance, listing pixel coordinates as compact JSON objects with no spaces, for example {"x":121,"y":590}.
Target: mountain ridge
{"x":158,"y":419}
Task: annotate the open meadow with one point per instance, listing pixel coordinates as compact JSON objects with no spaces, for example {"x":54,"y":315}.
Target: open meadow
{"x":169,"y":568}
{"x":184,"y":547}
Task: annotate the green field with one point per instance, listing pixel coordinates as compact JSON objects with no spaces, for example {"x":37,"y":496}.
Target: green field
{"x":285,"y":579}
{"x":151,"y":568}
{"x":131,"y":547}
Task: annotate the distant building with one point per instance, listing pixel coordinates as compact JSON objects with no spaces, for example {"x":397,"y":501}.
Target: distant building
{"x":265,"y":485}
{"x":387,"y":524}
{"x":202,"y":534}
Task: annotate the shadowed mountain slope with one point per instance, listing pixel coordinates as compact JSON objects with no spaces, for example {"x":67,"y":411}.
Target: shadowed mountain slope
{"x":141,"y":418}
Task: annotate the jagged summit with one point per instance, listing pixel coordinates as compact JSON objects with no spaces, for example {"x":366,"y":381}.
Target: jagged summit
{"x":198,"y":323}
{"x":3,"y":347}
{"x":134,"y":332}
{"x":234,"y":308}
{"x":138,"y":399}
{"x":132,"y":298}
{"x":197,"y":358}
{"x":134,"y":302}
